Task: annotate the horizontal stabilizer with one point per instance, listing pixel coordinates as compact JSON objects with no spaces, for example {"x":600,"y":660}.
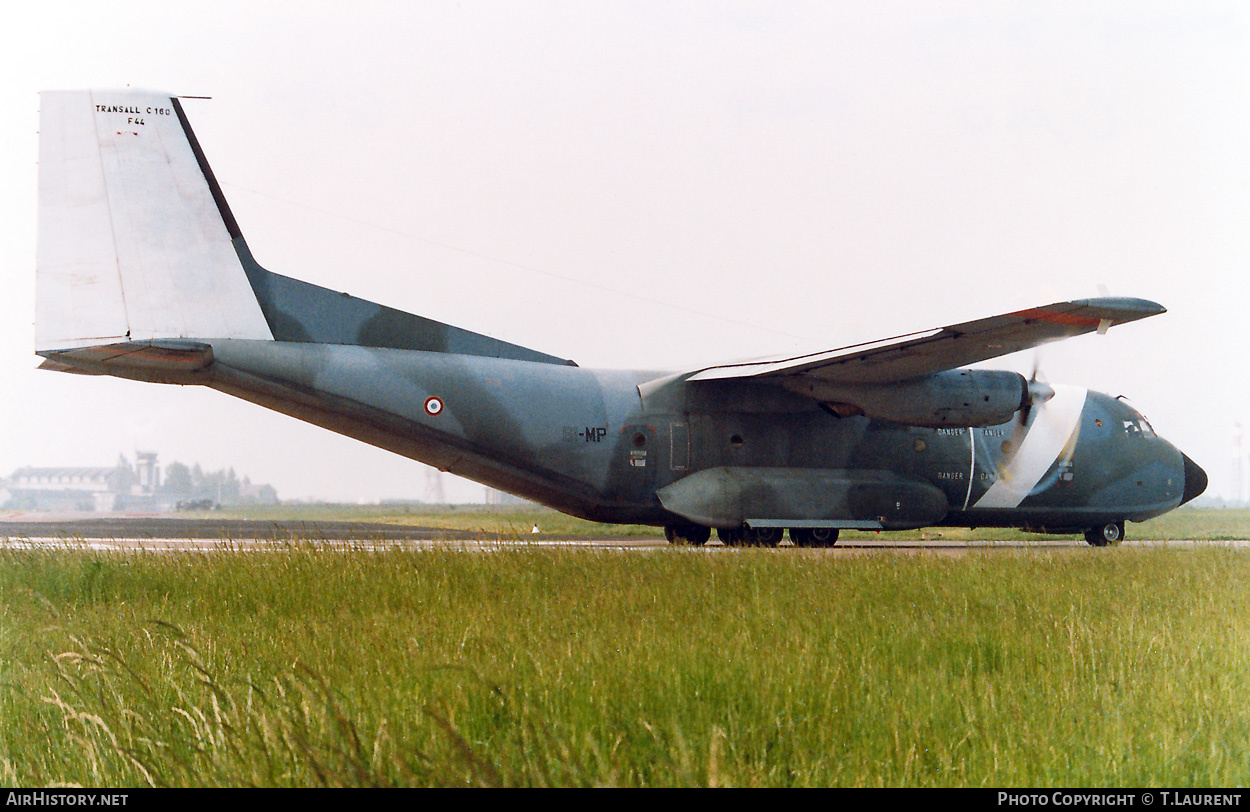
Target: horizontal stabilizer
{"x":164,"y":361}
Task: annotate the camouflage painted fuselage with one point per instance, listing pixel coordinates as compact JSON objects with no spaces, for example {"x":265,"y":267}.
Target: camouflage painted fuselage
{"x":587,"y":442}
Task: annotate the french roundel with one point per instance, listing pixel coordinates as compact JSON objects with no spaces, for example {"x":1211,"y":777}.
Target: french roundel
{"x":433,"y":406}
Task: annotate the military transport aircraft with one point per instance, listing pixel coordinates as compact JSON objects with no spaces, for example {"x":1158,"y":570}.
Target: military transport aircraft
{"x":143,"y":273}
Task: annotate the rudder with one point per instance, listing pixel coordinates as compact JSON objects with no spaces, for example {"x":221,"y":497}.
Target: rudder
{"x":132,"y":244}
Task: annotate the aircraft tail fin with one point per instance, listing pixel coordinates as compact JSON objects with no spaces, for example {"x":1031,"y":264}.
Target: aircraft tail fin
{"x":135,"y":242}
{"x":138,"y":247}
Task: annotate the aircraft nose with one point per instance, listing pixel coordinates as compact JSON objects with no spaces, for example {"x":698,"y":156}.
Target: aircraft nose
{"x":1195,"y":479}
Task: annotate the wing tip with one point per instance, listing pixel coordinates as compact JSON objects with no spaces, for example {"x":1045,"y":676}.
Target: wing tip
{"x":1122,"y":308}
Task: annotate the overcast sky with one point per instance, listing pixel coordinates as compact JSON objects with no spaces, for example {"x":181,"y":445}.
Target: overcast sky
{"x":660,"y":185}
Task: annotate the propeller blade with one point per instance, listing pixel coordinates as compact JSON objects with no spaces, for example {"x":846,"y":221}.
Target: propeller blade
{"x":1036,"y":393}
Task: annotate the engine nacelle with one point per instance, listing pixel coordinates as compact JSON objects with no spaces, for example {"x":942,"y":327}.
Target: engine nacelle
{"x":957,"y":397}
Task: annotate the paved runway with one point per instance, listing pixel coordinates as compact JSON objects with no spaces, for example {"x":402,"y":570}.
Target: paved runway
{"x":174,"y":528}
{"x":159,"y":532}
{"x":170,"y":534}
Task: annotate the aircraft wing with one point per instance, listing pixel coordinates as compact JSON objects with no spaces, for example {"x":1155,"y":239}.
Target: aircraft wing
{"x":931,"y":351}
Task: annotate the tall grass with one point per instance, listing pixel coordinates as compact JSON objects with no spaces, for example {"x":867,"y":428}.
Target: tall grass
{"x":674,"y":667}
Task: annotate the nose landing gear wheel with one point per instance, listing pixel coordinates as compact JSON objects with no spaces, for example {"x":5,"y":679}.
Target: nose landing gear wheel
{"x":1107,"y":535}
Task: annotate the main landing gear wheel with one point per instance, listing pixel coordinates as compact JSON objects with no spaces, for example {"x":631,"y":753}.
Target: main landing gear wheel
{"x":687,"y":534}
{"x":764,"y":536}
{"x":814,"y":536}
{"x":751,"y":536}
{"x":1107,"y":535}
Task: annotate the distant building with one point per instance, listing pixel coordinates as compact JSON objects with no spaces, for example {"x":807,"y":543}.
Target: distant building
{"x":61,"y":488}
{"x":102,"y":490}
{"x":147,"y":471}
{"x":124,"y":487}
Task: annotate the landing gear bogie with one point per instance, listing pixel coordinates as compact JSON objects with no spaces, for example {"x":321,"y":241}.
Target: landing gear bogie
{"x":751,"y":536}
{"x":695,"y":534}
{"x":764,"y":536}
{"x":814,"y":536}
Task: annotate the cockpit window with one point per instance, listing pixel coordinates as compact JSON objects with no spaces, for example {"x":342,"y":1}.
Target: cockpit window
{"x":1138,"y":427}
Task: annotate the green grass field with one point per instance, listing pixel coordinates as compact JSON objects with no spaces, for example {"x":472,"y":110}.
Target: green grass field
{"x":662,"y":667}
